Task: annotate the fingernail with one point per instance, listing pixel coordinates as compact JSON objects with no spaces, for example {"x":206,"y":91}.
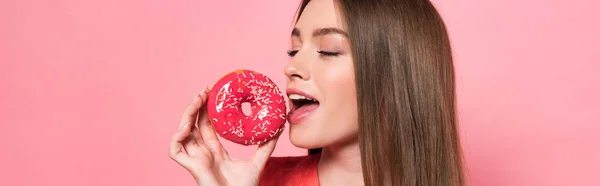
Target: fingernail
{"x":184,"y":126}
{"x":200,"y":94}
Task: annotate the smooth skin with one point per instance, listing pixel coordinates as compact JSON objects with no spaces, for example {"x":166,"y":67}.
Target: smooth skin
{"x":321,"y":65}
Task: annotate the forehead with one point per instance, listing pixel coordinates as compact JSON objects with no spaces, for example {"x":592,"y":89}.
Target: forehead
{"x":320,"y":14}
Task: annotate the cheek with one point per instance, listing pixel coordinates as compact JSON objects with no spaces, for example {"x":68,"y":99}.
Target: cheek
{"x":338,"y":82}
{"x":337,"y":120}
{"x":334,"y":72}
{"x":338,"y":87}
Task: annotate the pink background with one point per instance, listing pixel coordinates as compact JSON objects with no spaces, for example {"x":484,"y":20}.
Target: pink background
{"x":91,"y":91}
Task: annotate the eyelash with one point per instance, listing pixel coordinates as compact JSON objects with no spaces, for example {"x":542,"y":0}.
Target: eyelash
{"x":325,"y":53}
{"x":292,"y":53}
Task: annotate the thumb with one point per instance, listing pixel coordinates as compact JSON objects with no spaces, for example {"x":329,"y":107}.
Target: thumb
{"x":263,"y":152}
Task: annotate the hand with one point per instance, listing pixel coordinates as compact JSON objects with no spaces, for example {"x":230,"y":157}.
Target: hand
{"x":196,"y":148}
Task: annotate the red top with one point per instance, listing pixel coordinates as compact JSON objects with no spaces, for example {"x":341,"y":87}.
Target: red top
{"x":291,"y":171}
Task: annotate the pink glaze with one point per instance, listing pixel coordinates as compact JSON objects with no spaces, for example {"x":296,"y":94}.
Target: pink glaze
{"x":266,"y":101}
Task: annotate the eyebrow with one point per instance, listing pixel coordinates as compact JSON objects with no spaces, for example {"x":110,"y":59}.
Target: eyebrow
{"x":321,"y":32}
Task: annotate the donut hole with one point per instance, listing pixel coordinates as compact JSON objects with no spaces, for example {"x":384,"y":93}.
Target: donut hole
{"x":247,"y":108}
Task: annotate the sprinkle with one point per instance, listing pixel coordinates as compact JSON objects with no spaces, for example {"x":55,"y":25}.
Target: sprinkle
{"x":262,"y":93}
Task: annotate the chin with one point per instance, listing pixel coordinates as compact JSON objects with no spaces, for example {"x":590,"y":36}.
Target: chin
{"x":305,"y":139}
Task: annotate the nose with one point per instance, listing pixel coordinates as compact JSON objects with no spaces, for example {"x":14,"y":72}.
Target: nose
{"x":297,"y":68}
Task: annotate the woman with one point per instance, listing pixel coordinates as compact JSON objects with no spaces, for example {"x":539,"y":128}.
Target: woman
{"x":382,"y":76}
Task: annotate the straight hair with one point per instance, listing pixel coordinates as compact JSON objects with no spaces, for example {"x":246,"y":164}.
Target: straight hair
{"x":405,"y":92}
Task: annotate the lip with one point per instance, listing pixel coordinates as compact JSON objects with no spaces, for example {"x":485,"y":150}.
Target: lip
{"x":295,"y":117}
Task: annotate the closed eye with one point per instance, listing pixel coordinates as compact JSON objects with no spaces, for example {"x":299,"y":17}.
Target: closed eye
{"x":327,"y":53}
{"x":292,"y":53}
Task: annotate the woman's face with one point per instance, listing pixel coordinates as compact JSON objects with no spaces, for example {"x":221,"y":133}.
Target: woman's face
{"x":321,"y":70}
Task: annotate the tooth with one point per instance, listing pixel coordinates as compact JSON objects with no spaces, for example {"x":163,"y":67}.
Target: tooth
{"x":296,"y":96}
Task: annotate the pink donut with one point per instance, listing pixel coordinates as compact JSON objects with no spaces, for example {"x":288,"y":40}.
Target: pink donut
{"x":267,"y":102}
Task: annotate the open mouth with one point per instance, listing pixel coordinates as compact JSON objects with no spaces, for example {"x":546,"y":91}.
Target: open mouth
{"x":300,"y":101}
{"x":301,"y":107}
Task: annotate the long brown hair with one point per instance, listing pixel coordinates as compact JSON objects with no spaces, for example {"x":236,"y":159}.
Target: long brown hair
{"x":405,"y":92}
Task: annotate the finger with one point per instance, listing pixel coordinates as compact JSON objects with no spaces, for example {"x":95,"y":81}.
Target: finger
{"x":263,"y":152}
{"x":196,"y":136}
{"x":191,"y":112}
{"x":207,"y":130}
{"x":176,"y":141}
{"x":190,"y":144}
{"x":209,"y":136}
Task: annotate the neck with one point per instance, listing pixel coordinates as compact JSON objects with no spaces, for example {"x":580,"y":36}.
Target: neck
{"x":341,"y":161}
